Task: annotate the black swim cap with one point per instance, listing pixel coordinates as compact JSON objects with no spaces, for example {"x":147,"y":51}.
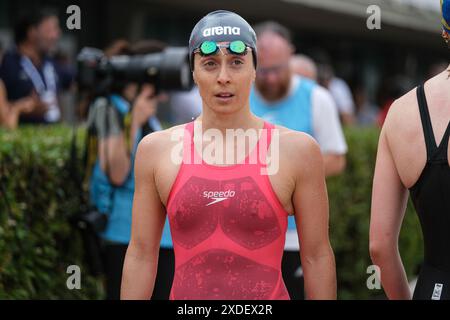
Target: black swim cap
{"x":221,"y":26}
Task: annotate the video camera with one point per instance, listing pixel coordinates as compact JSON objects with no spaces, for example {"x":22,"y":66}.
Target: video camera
{"x":166,"y":70}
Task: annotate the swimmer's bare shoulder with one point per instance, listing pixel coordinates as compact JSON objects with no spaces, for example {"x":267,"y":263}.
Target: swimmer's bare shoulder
{"x":299,"y":152}
{"x":158,"y":143}
{"x":402,"y":137}
{"x":155,"y":162}
{"x":403,"y":119}
{"x":403,"y":123}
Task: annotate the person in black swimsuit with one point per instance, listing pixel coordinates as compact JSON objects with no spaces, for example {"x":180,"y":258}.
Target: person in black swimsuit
{"x":413,"y":155}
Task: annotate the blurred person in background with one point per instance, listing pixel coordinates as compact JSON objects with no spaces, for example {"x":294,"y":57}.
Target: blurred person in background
{"x":300,"y":104}
{"x":340,"y":91}
{"x":304,"y":66}
{"x":28,"y":70}
{"x":120,"y":119}
{"x":10,"y":112}
{"x":413,"y":158}
{"x":366,"y":113}
{"x":281,"y":97}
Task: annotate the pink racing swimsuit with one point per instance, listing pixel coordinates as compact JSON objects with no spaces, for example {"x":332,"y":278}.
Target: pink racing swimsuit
{"x":228,"y":228}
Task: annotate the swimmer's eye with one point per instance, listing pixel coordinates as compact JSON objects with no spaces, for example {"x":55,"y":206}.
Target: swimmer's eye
{"x":209,"y":64}
{"x":237,"y":62}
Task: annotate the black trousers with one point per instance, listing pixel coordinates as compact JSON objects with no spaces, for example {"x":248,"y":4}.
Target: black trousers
{"x":114,"y":257}
{"x":164,"y":275}
{"x":294,"y":283}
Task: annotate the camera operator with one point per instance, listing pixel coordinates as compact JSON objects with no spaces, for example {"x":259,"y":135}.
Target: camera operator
{"x":119,"y":120}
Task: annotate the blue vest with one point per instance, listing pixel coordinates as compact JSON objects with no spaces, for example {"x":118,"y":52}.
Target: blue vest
{"x":293,"y":112}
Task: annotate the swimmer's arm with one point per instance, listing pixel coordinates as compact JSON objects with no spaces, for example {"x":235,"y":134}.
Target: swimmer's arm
{"x":311,"y":206}
{"x":389,"y":200}
{"x":141,"y":260}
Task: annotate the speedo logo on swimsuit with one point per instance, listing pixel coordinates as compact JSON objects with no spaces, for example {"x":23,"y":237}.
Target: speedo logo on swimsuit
{"x":218,"y":196}
{"x":217,"y":31}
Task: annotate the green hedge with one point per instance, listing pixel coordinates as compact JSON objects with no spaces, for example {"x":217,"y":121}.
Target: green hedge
{"x":37,"y":243}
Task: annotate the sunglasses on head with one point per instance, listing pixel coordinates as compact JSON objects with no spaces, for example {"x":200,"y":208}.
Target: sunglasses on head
{"x":208,"y":48}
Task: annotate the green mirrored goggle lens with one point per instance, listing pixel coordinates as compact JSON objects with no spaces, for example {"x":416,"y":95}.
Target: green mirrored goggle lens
{"x":208,"y":47}
{"x":235,"y":47}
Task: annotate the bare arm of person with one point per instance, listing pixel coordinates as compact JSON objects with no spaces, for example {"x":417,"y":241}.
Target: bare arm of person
{"x":389,"y":199}
{"x":310,"y":202}
{"x":115,"y":148}
{"x":148,"y":219}
{"x":334,"y":164}
{"x":10,"y":112}
{"x":113,"y":153}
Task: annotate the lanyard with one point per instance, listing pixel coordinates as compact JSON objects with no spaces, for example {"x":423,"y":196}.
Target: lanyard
{"x":36,"y":78}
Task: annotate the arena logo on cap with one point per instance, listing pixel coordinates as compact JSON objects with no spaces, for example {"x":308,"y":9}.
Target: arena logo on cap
{"x":227,"y":30}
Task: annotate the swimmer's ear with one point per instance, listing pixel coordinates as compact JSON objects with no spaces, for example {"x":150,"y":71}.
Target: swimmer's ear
{"x":194,"y":76}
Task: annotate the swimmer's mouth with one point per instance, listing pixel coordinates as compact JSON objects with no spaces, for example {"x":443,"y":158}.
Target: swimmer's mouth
{"x":224,"y":95}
